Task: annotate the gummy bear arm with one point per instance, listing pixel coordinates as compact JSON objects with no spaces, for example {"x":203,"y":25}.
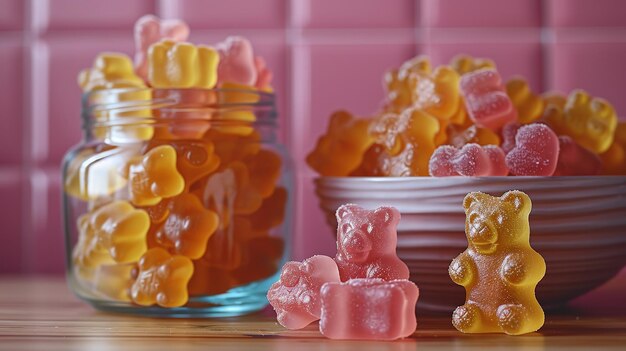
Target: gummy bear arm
{"x":517,"y":268}
{"x":461,"y":269}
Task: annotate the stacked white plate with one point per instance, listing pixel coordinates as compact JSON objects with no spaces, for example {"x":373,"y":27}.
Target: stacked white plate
{"x":578,"y":224}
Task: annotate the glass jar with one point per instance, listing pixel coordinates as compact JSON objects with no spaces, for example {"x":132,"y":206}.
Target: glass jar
{"x":178,"y":201}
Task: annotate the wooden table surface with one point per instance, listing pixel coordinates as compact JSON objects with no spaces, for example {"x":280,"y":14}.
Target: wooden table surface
{"x":42,"y":314}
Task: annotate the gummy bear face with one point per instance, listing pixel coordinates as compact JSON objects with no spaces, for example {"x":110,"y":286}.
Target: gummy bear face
{"x":362,"y":234}
{"x":491,"y":220}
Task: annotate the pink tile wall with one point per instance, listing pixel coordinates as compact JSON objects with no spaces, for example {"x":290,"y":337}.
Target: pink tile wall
{"x":326,"y":55}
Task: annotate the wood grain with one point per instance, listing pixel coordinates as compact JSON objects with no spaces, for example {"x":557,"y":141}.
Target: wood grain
{"x":42,"y":314}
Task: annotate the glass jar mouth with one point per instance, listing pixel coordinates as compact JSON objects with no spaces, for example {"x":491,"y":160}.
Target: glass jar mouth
{"x":135,"y":106}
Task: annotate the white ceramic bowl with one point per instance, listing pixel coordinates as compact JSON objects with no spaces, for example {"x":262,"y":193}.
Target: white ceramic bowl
{"x":578,"y":224}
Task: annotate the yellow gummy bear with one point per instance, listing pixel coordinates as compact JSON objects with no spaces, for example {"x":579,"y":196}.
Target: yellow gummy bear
{"x":499,"y":269}
{"x":162,"y":279}
{"x":113,"y":233}
{"x":614,"y":159}
{"x":154,"y":176}
{"x":396,"y":82}
{"x":590,"y":121}
{"x":466,"y":64}
{"x":182,"y":65}
{"x":340,"y":150}
{"x":529,"y":106}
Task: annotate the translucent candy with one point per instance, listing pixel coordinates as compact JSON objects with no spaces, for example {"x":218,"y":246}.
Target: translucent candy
{"x":182,"y":65}
{"x":459,"y":135}
{"x":92,"y":174}
{"x":472,"y":160}
{"x":499,"y":269}
{"x":436,"y":93}
{"x":486,"y":100}
{"x":614,"y":159}
{"x":296,"y":296}
{"x":465,"y":64}
{"x":341,"y":149}
{"x":264,"y":75}
{"x":368,"y":309}
{"x":399,"y":90}
{"x":110,"y":70}
{"x":188,"y":226}
{"x":528,"y":105}
{"x":509,"y":132}
{"x":575,"y":160}
{"x":162,"y":279}
{"x":366,"y":243}
{"x":237,"y":61}
{"x":536,"y":151}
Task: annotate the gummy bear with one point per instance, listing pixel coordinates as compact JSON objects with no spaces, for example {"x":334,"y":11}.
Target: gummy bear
{"x":271,"y":214}
{"x":486,"y":100}
{"x":232,"y":147}
{"x":436,"y":93}
{"x":264,"y":75}
{"x":92,"y":174}
{"x":536,"y":151}
{"x":529,"y":106}
{"x":188,"y":226}
{"x":188,"y":113}
{"x":162,"y":279}
{"x":590,"y":121}
{"x":341,"y":149}
{"x":499,"y":269}
{"x":459,"y":135}
{"x":396,"y":83}
{"x":149,"y":29}
{"x":154,"y":176}
{"x":466,"y":64}
{"x":575,"y":160}
{"x":113,"y":233}
{"x":614,"y":159}
{"x":366,"y":243}
{"x":472,"y":160}
{"x":238,"y":112}
{"x":296,"y":295}
{"x":182,"y":65}
{"x":110,"y":70}
{"x":368,"y":309}
{"x":237,"y":61}
{"x":265,"y":169}
{"x":113,"y":281}
{"x":509,"y":132}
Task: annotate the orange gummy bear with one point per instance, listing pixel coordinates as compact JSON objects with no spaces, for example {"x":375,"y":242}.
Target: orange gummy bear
{"x":396,"y":81}
{"x":232,"y":147}
{"x":529,"y":106}
{"x":113,"y":233}
{"x":265,"y":169}
{"x":614,"y":159}
{"x":499,"y":269}
{"x":154,"y":176}
{"x":436,"y":93}
{"x":340,"y":150}
{"x":590,"y":121}
{"x":162,"y":279}
{"x":188,"y":226}
{"x":466,"y":64}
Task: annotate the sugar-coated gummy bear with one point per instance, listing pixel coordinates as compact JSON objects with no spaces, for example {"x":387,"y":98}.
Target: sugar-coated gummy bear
{"x":369,"y":309}
{"x":113,"y":233}
{"x":536,"y":151}
{"x":162,"y":279}
{"x":465,"y":64}
{"x":396,"y":82}
{"x":487,"y":103}
{"x":188,"y":226}
{"x":154,"y":176}
{"x":472,"y":160}
{"x":366,"y":243}
{"x":237,"y":61}
{"x":182,"y":65}
{"x":296,"y":295}
{"x":499,"y":269}
{"x":614,"y":159}
{"x":590,"y":121}
{"x":575,"y":160}
{"x":149,"y":29}
{"x":529,"y":106}
{"x":341,"y":149}
{"x":509,"y":132}
{"x":436,"y":93}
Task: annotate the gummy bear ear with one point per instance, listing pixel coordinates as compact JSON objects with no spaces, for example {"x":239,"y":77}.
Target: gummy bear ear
{"x":345,"y":210}
{"x":391,"y":214}
{"x":519,"y":200}
{"x":470,"y":199}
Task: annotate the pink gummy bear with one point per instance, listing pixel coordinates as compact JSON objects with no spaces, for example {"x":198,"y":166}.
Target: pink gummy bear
{"x":536,"y":151}
{"x":575,"y":160}
{"x":472,"y":160}
{"x":371,"y":309}
{"x":366,"y":243}
{"x":509,"y":132}
{"x":296,"y":296}
{"x":486,"y":100}
{"x":237,"y":62}
{"x":149,"y":29}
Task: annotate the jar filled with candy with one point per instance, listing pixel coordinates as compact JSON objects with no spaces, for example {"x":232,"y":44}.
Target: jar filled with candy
{"x":177,"y":203}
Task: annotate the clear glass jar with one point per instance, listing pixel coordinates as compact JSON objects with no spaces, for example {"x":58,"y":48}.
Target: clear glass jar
{"x":178,"y":202}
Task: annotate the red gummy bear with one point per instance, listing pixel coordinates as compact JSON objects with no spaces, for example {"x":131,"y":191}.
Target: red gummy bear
{"x":487,"y":103}
{"x":366,"y":243}
{"x":472,"y":160}
{"x":536,"y":151}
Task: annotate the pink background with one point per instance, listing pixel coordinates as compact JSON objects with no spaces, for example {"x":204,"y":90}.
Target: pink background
{"x":326,"y":55}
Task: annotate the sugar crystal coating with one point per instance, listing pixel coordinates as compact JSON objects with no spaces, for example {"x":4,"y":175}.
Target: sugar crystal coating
{"x":486,"y":100}
{"x":472,"y":160}
{"x":535,"y":153}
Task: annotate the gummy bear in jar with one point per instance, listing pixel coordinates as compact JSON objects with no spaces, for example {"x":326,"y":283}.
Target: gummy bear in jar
{"x":178,"y":201}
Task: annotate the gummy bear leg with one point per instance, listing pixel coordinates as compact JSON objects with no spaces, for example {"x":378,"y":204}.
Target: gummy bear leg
{"x":511,"y":319}
{"x":466,"y":318}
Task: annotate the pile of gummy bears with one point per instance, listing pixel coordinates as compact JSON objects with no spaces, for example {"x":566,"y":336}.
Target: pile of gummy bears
{"x":175,"y":209}
{"x":462,"y":120}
